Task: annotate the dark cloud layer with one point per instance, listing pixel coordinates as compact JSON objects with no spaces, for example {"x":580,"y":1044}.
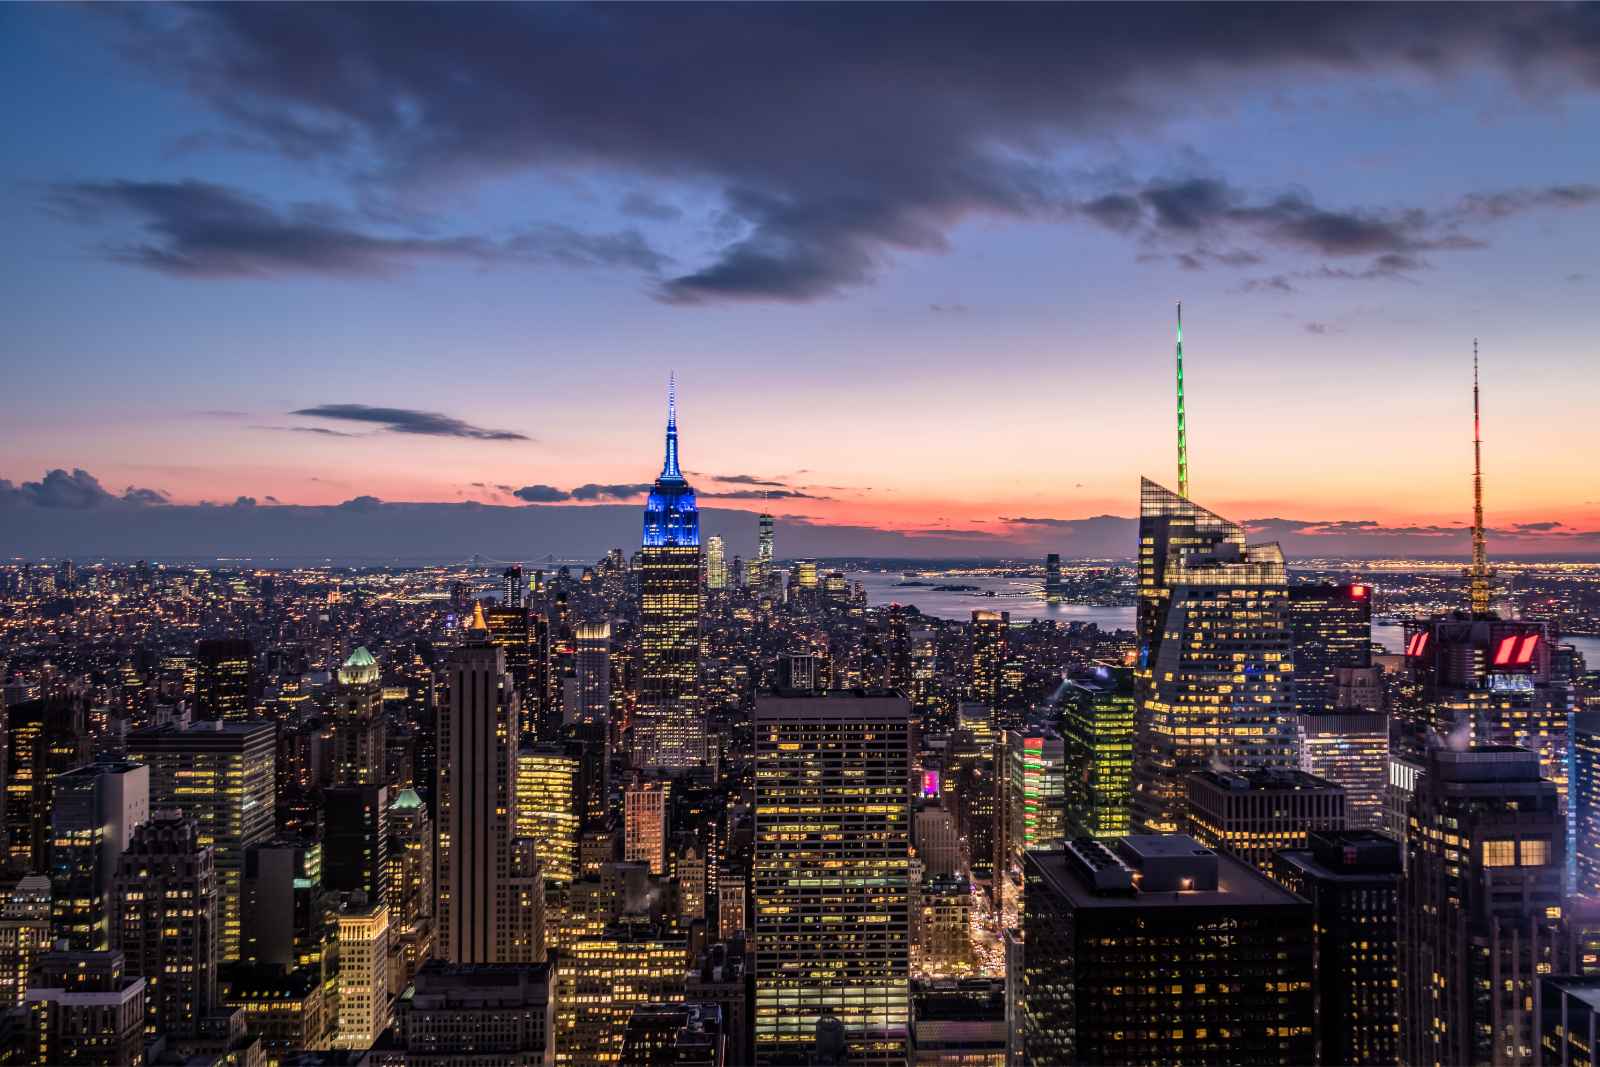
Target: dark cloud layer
{"x":838,"y":137}
{"x":407,"y":420}
{"x":203,"y":230}
{"x":77,"y":491}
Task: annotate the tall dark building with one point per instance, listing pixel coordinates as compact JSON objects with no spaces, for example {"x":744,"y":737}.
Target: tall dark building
{"x":478,"y":732}
{"x":668,"y":728}
{"x":224,"y":679}
{"x":94,"y":811}
{"x":832,"y":874}
{"x":1053,"y":589}
{"x":986,"y":652}
{"x":512,"y":588}
{"x":1585,"y":800}
{"x":1215,"y":668}
{"x":1569,"y":1023}
{"x":355,"y":840}
{"x":166,"y":921}
{"x":1153,"y":949}
{"x":1332,"y":628}
{"x":44,"y":738}
{"x":1352,"y":879}
{"x":84,"y":1008}
{"x":1481,"y":905}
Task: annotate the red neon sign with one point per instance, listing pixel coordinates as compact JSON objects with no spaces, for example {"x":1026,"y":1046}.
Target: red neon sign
{"x":1359,"y":592}
{"x":1525,"y":653}
{"x":1502,"y":652}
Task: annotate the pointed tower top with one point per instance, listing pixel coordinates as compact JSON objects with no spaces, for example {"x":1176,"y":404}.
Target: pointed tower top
{"x":1478,"y":574}
{"x":1183,"y":422}
{"x":669,"y":467}
{"x":478,"y":622}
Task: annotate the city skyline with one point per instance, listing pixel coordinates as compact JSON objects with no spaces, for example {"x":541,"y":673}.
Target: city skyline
{"x":375,"y":290}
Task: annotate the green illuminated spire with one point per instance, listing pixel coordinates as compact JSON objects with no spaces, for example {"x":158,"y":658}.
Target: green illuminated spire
{"x":1183,"y":425}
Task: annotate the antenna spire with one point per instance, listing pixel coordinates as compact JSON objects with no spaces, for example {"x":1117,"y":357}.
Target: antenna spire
{"x":1478,"y":575}
{"x":669,"y":467}
{"x":1183,"y":424}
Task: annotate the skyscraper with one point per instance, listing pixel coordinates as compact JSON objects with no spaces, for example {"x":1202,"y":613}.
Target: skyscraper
{"x":644,"y":813}
{"x":224,"y":679}
{"x":1480,"y":906}
{"x":986,"y":651}
{"x":668,"y":730}
{"x":1332,"y":628}
{"x":359,"y":735}
{"x":1215,"y":670}
{"x":1585,"y":800}
{"x":716,"y":564}
{"x":1032,"y":786}
{"x":594,"y":672}
{"x":1052,"y":578}
{"x":831,"y":874}
{"x":1097,"y":734}
{"x":84,"y":1008}
{"x":763,"y":560}
{"x":512,"y":587}
{"x":478,"y":729}
{"x":1152,"y":949}
{"x":95,"y":809}
{"x":548,"y":804}
{"x":166,"y":921}
{"x":221,"y":773}
{"x":1252,"y":814}
{"x":355,"y":839}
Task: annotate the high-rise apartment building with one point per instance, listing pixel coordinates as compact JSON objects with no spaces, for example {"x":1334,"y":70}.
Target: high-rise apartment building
{"x":644,"y":823}
{"x":166,"y":921}
{"x":478,"y":736}
{"x":1215,"y":674}
{"x":1154,"y":949}
{"x":359,"y":732}
{"x":1480,"y":905}
{"x":1252,"y":814}
{"x":1332,"y":628}
{"x":1352,"y":879}
{"x":1097,"y":735}
{"x":221,"y":774}
{"x":716,"y":564}
{"x":94,"y":810}
{"x":224,"y":679}
{"x":668,"y":729}
{"x":831,"y":873}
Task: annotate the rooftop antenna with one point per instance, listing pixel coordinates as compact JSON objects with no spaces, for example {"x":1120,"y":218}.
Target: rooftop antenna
{"x":1479,"y":573}
{"x":1183,"y":424}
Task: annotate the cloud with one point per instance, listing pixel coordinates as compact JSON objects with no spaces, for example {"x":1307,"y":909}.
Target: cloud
{"x":744,"y":479}
{"x":1322,"y":329}
{"x":77,"y":491}
{"x":763,"y":494}
{"x":408,"y":420}
{"x":934,"y":115}
{"x":642,"y":205}
{"x":323,"y":430}
{"x":541,"y":494}
{"x":591,"y":491}
{"x":199,"y":229}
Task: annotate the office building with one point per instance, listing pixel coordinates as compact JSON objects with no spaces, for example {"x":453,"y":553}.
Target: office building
{"x":941,"y":925}
{"x":84,"y":1008}
{"x":1097,"y":736}
{"x":289,"y":917}
{"x":355,"y":840}
{"x":359,"y":734}
{"x":763,"y":560}
{"x":547,"y":808}
{"x":525,"y":928}
{"x":1351,"y":750}
{"x":1155,"y":949}
{"x":1569,"y":1021}
{"x":1032,"y":795}
{"x":644,"y":826}
{"x":831,"y":873}
{"x":512,"y":587}
{"x":1585,"y":800}
{"x":675,"y":1035}
{"x":601,"y":979}
{"x":166,"y":921}
{"x":478,"y":737}
{"x":721,"y":976}
{"x":43,"y":738}
{"x":668,"y":727}
{"x":1054,"y":591}
{"x":221,"y":774}
{"x":1352,"y":879}
{"x":1215,"y":668}
{"x":287,"y":1010}
{"x":593,"y":673}
{"x":94,"y":810}
{"x":957,"y":1023}
{"x":1480,"y":911}
{"x":477,"y":1015}
{"x":716,"y":564}
{"x":938,"y":844}
{"x":515,"y":632}
{"x":1252,"y":814}
{"x":1332,"y":628}
{"x":224,"y":679}
{"x":24,"y":935}
{"x":363,"y":973}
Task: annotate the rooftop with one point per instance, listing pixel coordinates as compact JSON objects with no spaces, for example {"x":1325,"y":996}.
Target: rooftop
{"x":1155,"y":859}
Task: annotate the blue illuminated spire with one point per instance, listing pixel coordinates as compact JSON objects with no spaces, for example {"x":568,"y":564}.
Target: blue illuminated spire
{"x":669,"y":469}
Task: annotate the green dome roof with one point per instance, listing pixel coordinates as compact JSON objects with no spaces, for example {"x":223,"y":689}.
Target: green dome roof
{"x":406,"y":800}
{"x":359,"y":669}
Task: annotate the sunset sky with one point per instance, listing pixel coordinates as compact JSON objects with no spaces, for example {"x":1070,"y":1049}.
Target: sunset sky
{"x":914,"y":267}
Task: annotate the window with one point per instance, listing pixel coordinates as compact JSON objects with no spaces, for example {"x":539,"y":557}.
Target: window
{"x":1535,"y":852}
{"x":1500,"y":853}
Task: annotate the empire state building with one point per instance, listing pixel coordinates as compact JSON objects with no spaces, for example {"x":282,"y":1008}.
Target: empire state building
{"x":668,"y":730}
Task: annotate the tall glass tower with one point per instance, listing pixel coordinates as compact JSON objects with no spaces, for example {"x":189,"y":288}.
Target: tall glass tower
{"x":1215,"y":673}
{"x":668,"y":731}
